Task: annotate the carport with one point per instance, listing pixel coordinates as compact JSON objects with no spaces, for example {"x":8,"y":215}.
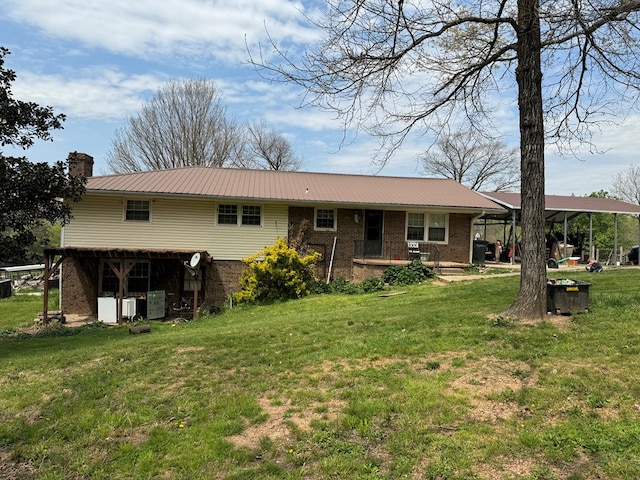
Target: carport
{"x":559,"y":209}
{"x":121,"y":262}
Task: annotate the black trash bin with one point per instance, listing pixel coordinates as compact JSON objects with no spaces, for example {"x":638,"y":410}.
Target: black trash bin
{"x":479,"y":249}
{"x":5,"y":288}
{"x":567,"y":296}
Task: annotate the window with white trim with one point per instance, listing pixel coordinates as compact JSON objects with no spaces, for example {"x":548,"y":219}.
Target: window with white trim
{"x":427,"y":227}
{"x":325,"y":219}
{"x":251,"y":215}
{"x":137,"y":210}
{"x":437,"y":227}
{"x":248,"y":215}
{"x":227,"y":214}
{"x":415,"y":226}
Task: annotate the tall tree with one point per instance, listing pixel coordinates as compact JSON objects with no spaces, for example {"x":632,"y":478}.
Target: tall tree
{"x":393,"y":66}
{"x":184,"y":123}
{"x":626,"y":185}
{"x":31,"y":194}
{"x":470,"y":158}
{"x":268,"y":150}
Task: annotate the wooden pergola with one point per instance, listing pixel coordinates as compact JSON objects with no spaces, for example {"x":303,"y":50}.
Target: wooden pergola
{"x":115,"y":258}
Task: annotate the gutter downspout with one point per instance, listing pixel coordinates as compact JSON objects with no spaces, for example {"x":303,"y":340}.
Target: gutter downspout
{"x":513,"y":230}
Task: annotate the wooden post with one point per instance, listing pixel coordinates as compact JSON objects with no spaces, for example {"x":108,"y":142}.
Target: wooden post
{"x":121,"y":272}
{"x":49,"y":269}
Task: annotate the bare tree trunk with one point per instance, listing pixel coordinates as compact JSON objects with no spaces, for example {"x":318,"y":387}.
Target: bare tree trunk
{"x":532,"y":300}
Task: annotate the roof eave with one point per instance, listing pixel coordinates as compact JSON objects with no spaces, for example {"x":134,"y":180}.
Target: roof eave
{"x":301,"y":202}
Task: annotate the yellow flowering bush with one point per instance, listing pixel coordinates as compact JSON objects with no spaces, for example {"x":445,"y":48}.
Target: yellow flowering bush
{"x":276,"y":273}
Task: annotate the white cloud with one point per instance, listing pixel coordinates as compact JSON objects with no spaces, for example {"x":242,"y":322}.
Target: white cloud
{"x":148,"y":28}
{"x":93,"y":94}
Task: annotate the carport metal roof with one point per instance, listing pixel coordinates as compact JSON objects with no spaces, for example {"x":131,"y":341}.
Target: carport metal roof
{"x":556,"y":206}
{"x":560,"y":209}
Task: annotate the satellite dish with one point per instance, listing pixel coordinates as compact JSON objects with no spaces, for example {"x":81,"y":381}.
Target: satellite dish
{"x":195,"y":260}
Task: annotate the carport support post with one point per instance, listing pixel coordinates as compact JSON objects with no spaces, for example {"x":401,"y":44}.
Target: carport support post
{"x":616,"y":256}
{"x":564,"y":251}
{"x":592,"y":250}
{"x":513,"y":243}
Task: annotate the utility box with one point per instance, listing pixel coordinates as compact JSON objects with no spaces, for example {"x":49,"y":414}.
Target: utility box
{"x":565,"y":296}
{"x":479,"y":251}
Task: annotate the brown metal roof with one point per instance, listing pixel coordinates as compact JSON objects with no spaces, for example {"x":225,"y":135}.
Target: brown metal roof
{"x":557,"y":205}
{"x":295,"y":187}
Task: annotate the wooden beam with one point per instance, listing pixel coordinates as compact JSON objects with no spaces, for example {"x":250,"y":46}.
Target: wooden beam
{"x":49,"y":269}
{"x":121,"y":272}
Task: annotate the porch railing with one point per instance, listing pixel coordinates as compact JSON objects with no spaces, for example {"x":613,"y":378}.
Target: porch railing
{"x":395,"y":250}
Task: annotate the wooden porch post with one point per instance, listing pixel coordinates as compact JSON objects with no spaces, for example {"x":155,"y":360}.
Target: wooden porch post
{"x":49,"y":269}
{"x":121,"y":272}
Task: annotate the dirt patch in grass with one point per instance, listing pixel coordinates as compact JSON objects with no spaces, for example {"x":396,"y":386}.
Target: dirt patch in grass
{"x":188,"y":349}
{"x":562,"y":322}
{"x":13,"y":469}
{"x":485,"y":377}
{"x":283,"y":419}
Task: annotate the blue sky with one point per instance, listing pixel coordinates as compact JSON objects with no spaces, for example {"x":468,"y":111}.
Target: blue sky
{"x":98,"y":61}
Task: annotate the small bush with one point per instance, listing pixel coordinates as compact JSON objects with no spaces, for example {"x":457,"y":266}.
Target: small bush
{"x":320,"y":287}
{"x":413,"y":273}
{"x":371,"y":285}
{"x":276,"y":273}
{"x":340,"y":285}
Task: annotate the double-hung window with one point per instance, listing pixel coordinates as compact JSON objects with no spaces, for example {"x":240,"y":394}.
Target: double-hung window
{"x":415,"y":226}
{"x":248,"y":215}
{"x":427,"y":227}
{"x":251,"y":215}
{"x":227,"y":214}
{"x":325,"y":219}
{"x":437,"y":227}
{"x":137,"y":210}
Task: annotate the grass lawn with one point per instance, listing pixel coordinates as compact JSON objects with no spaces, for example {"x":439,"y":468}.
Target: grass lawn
{"x":427,"y":384}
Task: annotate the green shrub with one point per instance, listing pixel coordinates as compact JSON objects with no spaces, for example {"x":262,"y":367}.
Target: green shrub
{"x":413,"y":273}
{"x":320,"y":287}
{"x":372,"y":284}
{"x":340,"y":285}
{"x":276,"y":273}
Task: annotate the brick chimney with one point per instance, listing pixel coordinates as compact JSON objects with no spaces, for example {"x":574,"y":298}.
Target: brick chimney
{"x":80,"y":165}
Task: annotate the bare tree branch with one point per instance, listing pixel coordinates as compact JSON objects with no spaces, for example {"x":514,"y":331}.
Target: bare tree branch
{"x":185,"y":123}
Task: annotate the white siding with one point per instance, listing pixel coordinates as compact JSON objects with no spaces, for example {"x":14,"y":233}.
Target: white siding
{"x":176,"y":224}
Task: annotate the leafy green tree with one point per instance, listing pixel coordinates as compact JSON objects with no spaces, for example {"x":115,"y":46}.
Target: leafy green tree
{"x":31,"y":194}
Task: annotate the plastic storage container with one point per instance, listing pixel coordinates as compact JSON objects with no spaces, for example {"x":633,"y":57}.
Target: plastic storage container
{"x":567,"y":296}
